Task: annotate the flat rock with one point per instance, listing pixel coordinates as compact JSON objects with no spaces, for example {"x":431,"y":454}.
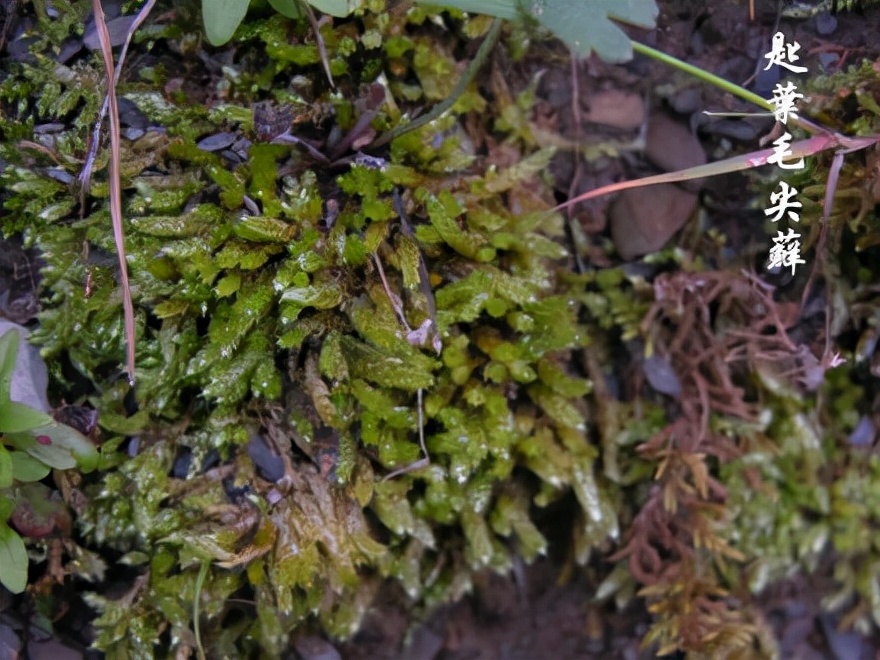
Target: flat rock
{"x":671,"y":146}
{"x":616,"y":108}
{"x":216,"y":142}
{"x":316,"y":648}
{"x":52,"y":649}
{"x":118,"y":29}
{"x":10,"y":644}
{"x":643,"y":219}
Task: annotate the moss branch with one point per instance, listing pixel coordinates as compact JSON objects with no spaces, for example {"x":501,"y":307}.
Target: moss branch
{"x":462,"y":84}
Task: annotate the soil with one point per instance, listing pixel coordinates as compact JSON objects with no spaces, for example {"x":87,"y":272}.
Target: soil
{"x":651,"y":119}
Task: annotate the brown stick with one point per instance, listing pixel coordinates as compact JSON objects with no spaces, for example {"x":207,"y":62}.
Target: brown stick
{"x":116,"y":186}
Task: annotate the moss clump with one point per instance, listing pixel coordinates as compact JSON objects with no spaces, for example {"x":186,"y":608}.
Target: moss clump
{"x":306,"y":312}
{"x":261,"y":311}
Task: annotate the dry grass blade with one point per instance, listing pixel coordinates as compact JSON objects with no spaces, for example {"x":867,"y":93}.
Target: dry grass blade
{"x":115,"y":184}
{"x":808,"y":147}
{"x":140,"y":18}
{"x":85,"y":176}
{"x":319,"y":40}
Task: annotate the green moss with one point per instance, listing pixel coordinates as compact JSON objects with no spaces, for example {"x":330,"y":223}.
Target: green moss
{"x":272,"y":318}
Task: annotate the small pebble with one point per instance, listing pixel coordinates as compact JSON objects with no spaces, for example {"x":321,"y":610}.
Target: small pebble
{"x":132,"y":133}
{"x":765,"y":80}
{"x":825,"y":24}
{"x":828,"y":60}
{"x":735,"y":129}
{"x":315,"y":648}
{"x":61,"y":175}
{"x":216,"y":142}
{"x":117,"y":27}
{"x":43,"y":129}
{"x":687,"y":101}
{"x":864,"y":433}
{"x":662,"y":376}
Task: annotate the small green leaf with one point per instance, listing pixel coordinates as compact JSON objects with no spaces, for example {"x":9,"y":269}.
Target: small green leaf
{"x":507,"y":9}
{"x":58,"y":446}
{"x":265,"y":230}
{"x":13,"y":559}
{"x":288,"y":8}
{"x":17,"y":417}
{"x":583,"y":26}
{"x":229,"y":284}
{"x":587,"y":26}
{"x":443,"y":218}
{"x":479,"y":537}
{"x":522,"y":171}
{"x":7,"y":505}
{"x":222,"y":18}
{"x":53,"y":456}
{"x":338,"y":8}
{"x":5,"y":468}
{"x":8,"y":353}
{"x":71,"y":440}
{"x":388,"y":370}
{"x":26,"y":468}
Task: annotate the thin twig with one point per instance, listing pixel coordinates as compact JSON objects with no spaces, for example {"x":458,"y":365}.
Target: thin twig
{"x":725,"y":85}
{"x":422,"y":462}
{"x":424,"y":278}
{"x":115,"y":185}
{"x":393,"y":299}
{"x":578,"y":162}
{"x":398,"y":309}
{"x":319,"y":40}
{"x":85,"y":176}
{"x":462,"y":84}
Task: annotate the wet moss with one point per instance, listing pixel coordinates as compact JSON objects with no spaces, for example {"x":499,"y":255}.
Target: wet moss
{"x":226,"y":299}
{"x":284,"y":296}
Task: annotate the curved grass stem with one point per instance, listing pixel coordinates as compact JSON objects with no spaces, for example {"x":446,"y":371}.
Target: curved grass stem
{"x":721,"y":83}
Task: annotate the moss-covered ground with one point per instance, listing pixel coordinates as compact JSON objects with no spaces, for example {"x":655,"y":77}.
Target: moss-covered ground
{"x":362,"y":364}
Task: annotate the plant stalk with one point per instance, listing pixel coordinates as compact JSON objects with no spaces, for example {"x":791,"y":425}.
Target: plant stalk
{"x":723,"y":84}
